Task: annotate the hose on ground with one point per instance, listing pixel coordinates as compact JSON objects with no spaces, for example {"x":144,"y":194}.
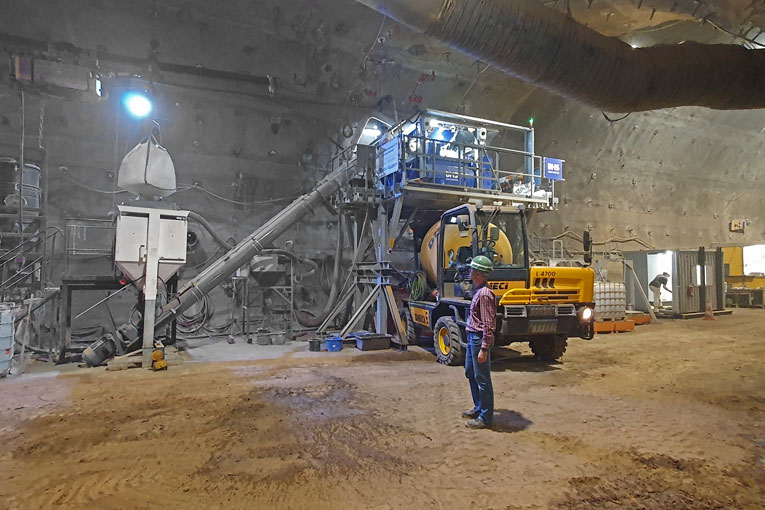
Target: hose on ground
{"x":316,"y":321}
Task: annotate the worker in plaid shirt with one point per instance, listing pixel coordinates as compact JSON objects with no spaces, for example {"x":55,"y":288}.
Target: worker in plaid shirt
{"x":480,"y":336}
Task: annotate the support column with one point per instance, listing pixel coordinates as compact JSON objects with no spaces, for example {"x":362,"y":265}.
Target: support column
{"x":702,"y":261}
{"x":381,"y":313}
{"x":150,"y":287}
{"x":529,"y":165}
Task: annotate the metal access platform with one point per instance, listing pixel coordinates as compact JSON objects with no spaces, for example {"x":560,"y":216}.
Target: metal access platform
{"x":417,"y":169}
{"x":438,"y":159}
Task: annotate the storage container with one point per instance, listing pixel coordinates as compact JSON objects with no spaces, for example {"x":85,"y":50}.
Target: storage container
{"x":366,"y":341}
{"x":6,"y":338}
{"x":610,"y":300}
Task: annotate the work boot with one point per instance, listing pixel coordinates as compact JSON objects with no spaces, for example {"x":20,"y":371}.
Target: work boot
{"x":476,"y":424}
{"x":470,"y":415}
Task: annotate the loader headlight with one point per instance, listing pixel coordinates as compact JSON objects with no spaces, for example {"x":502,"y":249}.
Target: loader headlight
{"x":587,"y":314}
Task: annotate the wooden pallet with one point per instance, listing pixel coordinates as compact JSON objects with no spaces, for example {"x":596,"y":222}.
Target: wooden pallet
{"x":134,"y":359}
{"x":604,"y":327}
{"x":692,"y":315}
{"x":614,"y":326}
{"x":639,"y":318}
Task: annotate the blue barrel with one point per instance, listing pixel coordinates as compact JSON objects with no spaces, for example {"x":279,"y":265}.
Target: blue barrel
{"x":334,"y":343}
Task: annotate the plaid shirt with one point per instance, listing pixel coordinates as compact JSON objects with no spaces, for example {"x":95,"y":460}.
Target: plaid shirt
{"x":483,"y":315}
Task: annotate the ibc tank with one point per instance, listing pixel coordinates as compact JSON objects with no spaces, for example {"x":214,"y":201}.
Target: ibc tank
{"x":610,"y":300}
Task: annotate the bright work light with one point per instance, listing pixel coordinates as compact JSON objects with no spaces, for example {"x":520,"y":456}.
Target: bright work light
{"x":137,"y":104}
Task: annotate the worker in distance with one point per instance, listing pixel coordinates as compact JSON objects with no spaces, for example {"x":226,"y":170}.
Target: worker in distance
{"x":659,"y":281}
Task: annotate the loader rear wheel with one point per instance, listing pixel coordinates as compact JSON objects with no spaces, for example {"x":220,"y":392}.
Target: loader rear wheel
{"x":548,"y":347}
{"x":412,"y":329}
{"x":447,"y":340}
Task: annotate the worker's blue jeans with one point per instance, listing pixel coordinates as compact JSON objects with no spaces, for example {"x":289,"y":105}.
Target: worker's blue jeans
{"x":479,"y":376}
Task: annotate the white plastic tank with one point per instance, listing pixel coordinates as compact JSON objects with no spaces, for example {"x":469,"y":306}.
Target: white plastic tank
{"x":610,"y":300}
{"x":6,"y":338}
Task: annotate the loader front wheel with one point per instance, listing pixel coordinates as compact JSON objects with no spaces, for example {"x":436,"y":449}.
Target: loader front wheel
{"x":548,"y":347}
{"x":447,"y":340}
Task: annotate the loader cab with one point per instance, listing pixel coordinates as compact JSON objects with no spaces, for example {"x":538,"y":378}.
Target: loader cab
{"x":496,"y":232}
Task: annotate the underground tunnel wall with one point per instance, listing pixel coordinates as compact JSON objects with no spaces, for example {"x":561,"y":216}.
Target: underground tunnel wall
{"x":674,"y":177}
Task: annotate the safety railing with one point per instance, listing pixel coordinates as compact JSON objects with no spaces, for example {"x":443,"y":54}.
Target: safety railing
{"x":546,"y":248}
{"x":413,"y":160}
{"x":11,"y":276}
{"x":89,"y":239}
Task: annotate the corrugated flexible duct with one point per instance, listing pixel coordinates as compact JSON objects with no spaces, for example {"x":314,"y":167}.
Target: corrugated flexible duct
{"x":542,"y":46}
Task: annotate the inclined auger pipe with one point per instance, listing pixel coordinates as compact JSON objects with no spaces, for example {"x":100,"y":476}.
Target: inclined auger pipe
{"x":545,"y":47}
{"x":253,"y":244}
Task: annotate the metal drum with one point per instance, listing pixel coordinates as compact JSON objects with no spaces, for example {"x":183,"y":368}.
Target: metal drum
{"x":9,"y":184}
{"x":31,"y":187}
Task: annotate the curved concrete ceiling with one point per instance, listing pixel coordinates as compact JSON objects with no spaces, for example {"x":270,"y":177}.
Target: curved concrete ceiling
{"x":624,"y":18}
{"x":553,"y":50}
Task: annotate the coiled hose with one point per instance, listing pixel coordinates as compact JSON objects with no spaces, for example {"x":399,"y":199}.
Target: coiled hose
{"x":418,"y":286}
{"x":314,"y":322}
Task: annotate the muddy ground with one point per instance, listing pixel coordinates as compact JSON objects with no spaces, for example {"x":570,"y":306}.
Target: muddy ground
{"x":670,"y":416}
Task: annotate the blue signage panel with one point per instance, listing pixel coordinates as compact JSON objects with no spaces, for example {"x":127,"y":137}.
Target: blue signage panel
{"x":389,"y":156}
{"x":553,"y":169}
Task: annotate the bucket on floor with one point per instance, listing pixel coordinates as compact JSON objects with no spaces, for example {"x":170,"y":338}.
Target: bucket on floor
{"x":263,"y":336}
{"x":334,"y":343}
{"x":314,"y":344}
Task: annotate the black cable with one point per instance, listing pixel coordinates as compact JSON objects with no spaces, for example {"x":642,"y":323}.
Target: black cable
{"x":609,"y":119}
{"x":210,"y":230}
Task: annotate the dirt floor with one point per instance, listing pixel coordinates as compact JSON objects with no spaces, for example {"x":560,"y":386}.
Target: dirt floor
{"x":670,"y":416}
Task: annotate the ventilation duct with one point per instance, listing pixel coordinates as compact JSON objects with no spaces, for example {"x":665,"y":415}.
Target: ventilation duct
{"x":542,"y":46}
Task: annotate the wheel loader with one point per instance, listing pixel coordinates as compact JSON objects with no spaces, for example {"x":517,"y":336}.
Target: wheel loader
{"x":544,"y":306}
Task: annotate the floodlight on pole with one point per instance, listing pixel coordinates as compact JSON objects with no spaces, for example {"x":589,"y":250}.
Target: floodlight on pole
{"x":138,"y":104}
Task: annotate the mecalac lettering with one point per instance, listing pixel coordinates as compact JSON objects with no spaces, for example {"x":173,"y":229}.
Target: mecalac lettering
{"x":499,"y":285}
{"x":421,"y":316}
